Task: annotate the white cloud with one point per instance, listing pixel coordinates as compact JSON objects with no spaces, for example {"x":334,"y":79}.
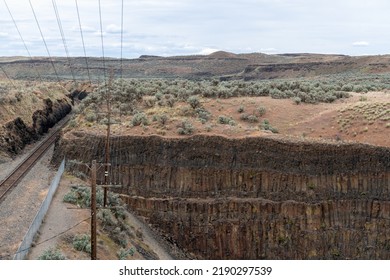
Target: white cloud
{"x":360,"y":44}
{"x":207,"y":51}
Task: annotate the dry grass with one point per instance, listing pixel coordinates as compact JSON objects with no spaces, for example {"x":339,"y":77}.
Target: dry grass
{"x":363,"y":116}
{"x":23,"y":98}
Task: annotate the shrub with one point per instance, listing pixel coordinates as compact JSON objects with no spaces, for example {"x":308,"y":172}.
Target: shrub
{"x":347,"y":87}
{"x":139,"y":118}
{"x":72,"y":123}
{"x":359,"y":88}
{"x":81,"y":196}
{"x":185,"y":128}
{"x":232,"y":123}
{"x":52,"y":254}
{"x":91,"y":117}
{"x":193,"y":101}
{"x":203,"y":114}
{"x":241,"y":109}
{"x":162,"y":119}
{"x":297,"y":100}
{"x":267,"y":126}
{"x":158,"y":95}
{"x":249,"y":118}
{"x":82,"y":243}
{"x":107,"y":218}
{"x":123,"y":254}
{"x":261,"y":111}
{"x":224,"y":120}
{"x":171,"y":102}
{"x":149,"y":101}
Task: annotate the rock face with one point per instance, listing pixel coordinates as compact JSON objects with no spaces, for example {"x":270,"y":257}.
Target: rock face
{"x":252,"y":198}
{"x":15,"y":135}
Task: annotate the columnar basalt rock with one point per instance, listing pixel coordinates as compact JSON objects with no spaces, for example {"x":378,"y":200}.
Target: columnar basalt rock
{"x":252,"y":198}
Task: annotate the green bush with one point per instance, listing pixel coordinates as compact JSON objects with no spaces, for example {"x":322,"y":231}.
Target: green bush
{"x":261,"y":110}
{"x":123,"y":254}
{"x":224,"y":119}
{"x":267,"y":126}
{"x":52,"y":254}
{"x":81,"y":196}
{"x":297,"y":100}
{"x":162,"y":119}
{"x":347,"y":87}
{"x":203,"y":114}
{"x":139,"y":119}
{"x":185,"y":128}
{"x":149,"y":101}
{"x":91,"y":117}
{"x":107,"y":218}
{"x":249,"y":118}
{"x":193,"y":101}
{"x":82,"y":243}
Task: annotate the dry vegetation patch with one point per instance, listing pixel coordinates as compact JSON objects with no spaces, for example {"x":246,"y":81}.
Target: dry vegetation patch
{"x":178,"y":108}
{"x":23,"y":98}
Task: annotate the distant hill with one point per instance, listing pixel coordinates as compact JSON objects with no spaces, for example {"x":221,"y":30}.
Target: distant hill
{"x":220,"y":64}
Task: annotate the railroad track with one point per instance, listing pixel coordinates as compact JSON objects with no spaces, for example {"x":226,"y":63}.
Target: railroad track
{"x":25,"y":166}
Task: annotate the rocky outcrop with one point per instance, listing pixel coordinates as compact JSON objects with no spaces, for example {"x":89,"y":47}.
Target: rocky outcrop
{"x":15,"y":135}
{"x":252,"y":198}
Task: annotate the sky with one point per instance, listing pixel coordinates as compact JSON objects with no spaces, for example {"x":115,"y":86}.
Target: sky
{"x":186,"y":27}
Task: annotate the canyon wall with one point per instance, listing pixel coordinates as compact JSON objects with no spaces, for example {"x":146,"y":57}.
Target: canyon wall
{"x":251,"y":198}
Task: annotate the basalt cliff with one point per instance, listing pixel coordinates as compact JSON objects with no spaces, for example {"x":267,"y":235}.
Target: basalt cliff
{"x":16,"y":134}
{"x":251,"y":198}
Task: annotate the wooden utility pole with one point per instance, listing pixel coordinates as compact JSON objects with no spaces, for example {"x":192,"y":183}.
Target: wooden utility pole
{"x":107,"y":156}
{"x":93,"y":211}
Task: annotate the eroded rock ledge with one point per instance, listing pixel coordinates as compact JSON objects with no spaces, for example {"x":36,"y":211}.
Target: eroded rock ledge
{"x":252,"y":198}
{"x":16,"y":134}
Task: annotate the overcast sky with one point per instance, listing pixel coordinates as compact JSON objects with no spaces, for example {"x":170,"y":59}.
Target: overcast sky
{"x":182,"y":27}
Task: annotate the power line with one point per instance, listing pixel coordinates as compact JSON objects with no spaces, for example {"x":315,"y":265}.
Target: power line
{"x":63,"y":38}
{"x":82,"y":39}
{"x":44,"y":41}
{"x":122,"y":42}
{"x":102,"y":39}
{"x":9,"y":79}
{"x":24,"y":43}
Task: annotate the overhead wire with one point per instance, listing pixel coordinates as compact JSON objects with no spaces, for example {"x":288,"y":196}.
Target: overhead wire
{"x":102,"y":40}
{"x":7,"y":76}
{"x":122,"y":39}
{"x":55,"y":7}
{"x":24,"y":42}
{"x":44,"y":41}
{"x":82,"y":39}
